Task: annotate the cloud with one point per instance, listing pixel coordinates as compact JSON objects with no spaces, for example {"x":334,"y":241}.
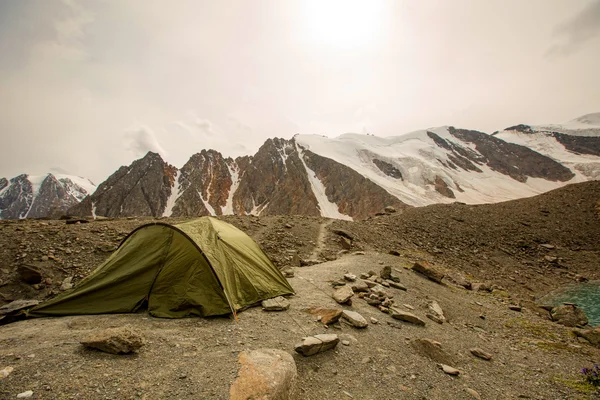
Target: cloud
{"x":141,"y":140}
{"x":59,"y":170}
{"x":205,"y":126}
{"x":577,"y":31}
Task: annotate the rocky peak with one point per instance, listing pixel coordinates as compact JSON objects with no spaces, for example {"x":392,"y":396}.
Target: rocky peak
{"x":16,"y":198}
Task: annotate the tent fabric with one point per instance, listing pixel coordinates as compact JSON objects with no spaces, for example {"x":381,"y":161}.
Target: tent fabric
{"x":201,"y":268}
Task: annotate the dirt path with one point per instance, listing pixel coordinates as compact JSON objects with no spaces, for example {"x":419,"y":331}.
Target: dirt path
{"x":320,"y":239}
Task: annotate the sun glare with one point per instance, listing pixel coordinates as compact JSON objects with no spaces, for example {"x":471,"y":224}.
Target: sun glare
{"x":344,"y":24}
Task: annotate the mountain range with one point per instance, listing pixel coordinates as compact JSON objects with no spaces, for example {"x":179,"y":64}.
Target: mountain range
{"x":349,"y":177}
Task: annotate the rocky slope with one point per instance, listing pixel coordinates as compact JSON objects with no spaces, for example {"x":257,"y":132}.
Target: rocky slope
{"x":26,"y":196}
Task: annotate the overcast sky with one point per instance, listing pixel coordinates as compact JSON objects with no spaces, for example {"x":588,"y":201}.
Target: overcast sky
{"x":87,"y":86}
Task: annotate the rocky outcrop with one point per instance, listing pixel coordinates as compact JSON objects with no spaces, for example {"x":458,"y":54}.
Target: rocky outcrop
{"x":26,"y":196}
{"x":141,"y":189}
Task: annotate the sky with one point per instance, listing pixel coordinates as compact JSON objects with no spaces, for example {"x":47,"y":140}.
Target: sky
{"x":87,"y":86}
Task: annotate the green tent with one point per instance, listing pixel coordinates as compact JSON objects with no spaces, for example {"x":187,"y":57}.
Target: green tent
{"x":199,"y":268}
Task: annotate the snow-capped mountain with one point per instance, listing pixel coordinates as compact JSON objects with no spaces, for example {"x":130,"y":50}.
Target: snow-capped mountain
{"x":27,"y":196}
{"x":354,"y":176}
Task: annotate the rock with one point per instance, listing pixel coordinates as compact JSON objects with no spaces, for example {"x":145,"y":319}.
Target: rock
{"x":346,"y":342}
{"x":449,"y":370}
{"x":343,"y":294}
{"x":473,"y":393}
{"x":431,"y":349}
{"x":25,"y":395}
{"x":360,"y":286}
{"x":379,"y":291}
{"x":429,"y":271}
{"x":394,"y":253}
{"x":515,"y":307}
{"x":374,"y":321}
{"x":481,"y":287}
{"x":122,"y":340}
{"x":569,"y":315}
{"x":387,"y":302}
{"x":17,"y":305}
{"x":29,"y":274}
{"x":308,"y":262}
{"x":551,"y":259}
{"x":459,"y":279}
{"x":317,"y":344}
{"x":547,"y":246}
{"x":4,"y":372}
{"x":406,"y":317}
{"x":343,"y":233}
{"x":370,"y":283}
{"x":389,"y":209}
{"x":66,"y":284}
{"x":408,"y":306}
{"x":328,"y":315}
{"x":266,"y":374}
{"x":386,"y":272}
{"x":364,"y":275}
{"x":346,"y":244}
{"x":477,"y":352}
{"x":435,"y":311}
{"x":355,"y":319}
{"x":591,"y":335}
{"x":278,"y":303}
{"x":288,"y":272}
{"x":397,"y":285}
{"x":350,"y":277}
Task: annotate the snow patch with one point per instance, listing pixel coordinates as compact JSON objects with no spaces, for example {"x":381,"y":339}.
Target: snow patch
{"x":210,"y":208}
{"x":93,"y":210}
{"x":234,"y":172}
{"x":175,"y":193}
{"x":328,"y":208}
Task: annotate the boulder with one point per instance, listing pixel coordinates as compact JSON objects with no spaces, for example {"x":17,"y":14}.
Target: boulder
{"x":278,"y":303}
{"x":355,"y":319}
{"x":477,"y":352}
{"x":569,"y":315}
{"x":429,"y":271}
{"x":29,"y":274}
{"x":122,"y":340}
{"x":591,"y":335}
{"x":406,"y":316}
{"x":328,"y":315}
{"x":431,"y":349}
{"x":266,"y":374}
{"x":343,"y":294}
{"x":312,"y":345}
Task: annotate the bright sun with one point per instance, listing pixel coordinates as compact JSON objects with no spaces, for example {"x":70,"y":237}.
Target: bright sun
{"x":344,"y":24}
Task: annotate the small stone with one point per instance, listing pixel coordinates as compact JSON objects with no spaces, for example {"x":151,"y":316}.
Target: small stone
{"x":360,"y":286}
{"x":327,"y":315}
{"x":25,"y":395}
{"x":386,"y":272}
{"x":120,"y":340}
{"x":406,"y":317}
{"x":449,"y":370}
{"x":278,"y":303}
{"x":346,"y":342}
{"x":435,"y":311}
{"x":429,"y":271}
{"x":481,"y":287}
{"x":515,"y":307}
{"x":389,"y":209}
{"x":288,"y":272}
{"x":350,"y":277}
{"x":547,"y":246}
{"x":4,"y":372}
{"x":435,"y":318}
{"x":374,"y":321}
{"x":364,"y":275}
{"x":66,"y":284}
{"x":477,"y":352}
{"x":317,"y":344}
{"x":343,"y":294}
{"x":473,"y":393}
{"x":397,"y":285}
{"x":431,"y":349}
{"x":408,"y":306}
{"x":355,"y":319}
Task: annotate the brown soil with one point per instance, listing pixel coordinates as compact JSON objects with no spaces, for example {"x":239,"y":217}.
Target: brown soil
{"x":197,"y":358}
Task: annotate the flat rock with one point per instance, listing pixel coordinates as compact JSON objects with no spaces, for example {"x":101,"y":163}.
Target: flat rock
{"x":569,"y":315}
{"x":429,"y":271}
{"x":17,"y":305}
{"x":312,"y":345}
{"x":449,"y":370}
{"x":406,"y":316}
{"x":355,"y":319}
{"x":278,"y":303}
{"x":591,"y":335}
{"x":122,"y":340}
{"x":432,"y":349}
{"x":343,"y":294}
{"x":397,"y":285}
{"x":435,"y":310}
{"x":515,"y":307}
{"x":328,"y":315}
{"x":350,"y":277}
{"x":477,"y":352}
{"x":267,"y":374}
{"x":29,"y":274}
{"x":25,"y":395}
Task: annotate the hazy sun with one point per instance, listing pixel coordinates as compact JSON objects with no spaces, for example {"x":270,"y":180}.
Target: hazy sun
{"x":343,"y":24}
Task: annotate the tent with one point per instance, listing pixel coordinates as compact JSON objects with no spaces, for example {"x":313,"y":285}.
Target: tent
{"x":200,"y":268}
